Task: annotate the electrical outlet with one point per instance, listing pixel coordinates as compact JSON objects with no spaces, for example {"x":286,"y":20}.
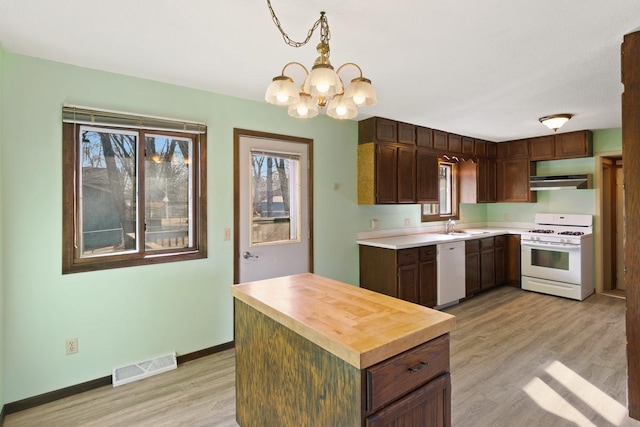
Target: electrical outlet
{"x":72,"y":345}
{"x":227,"y":234}
{"x":507,"y":217}
{"x":407,"y":222}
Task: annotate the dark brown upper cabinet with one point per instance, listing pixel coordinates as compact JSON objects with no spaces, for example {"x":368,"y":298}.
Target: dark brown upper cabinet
{"x":518,"y":148}
{"x":543,"y":148}
{"x":440,"y":140}
{"x":480,"y":147}
{"x":424,"y":137}
{"x":376,"y":129}
{"x":569,"y":145}
{"x":386,"y":162}
{"x":427,"y":176}
{"x":406,"y":134}
{"x":574,"y":144}
{"x":454,"y":143}
{"x":468,"y":146}
{"x":513,"y":176}
{"x":386,"y":173}
{"x":492,"y":149}
{"x":406,"y":175}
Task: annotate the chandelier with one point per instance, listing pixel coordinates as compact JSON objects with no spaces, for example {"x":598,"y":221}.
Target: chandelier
{"x":322,"y":87}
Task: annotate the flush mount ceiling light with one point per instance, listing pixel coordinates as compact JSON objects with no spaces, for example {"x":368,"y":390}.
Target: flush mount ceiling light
{"x":322,"y":86}
{"x":555,"y":121}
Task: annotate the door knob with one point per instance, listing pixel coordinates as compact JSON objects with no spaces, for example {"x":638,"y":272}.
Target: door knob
{"x":247,"y":255}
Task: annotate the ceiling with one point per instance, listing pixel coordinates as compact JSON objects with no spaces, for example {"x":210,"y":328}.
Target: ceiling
{"x":487,"y":69}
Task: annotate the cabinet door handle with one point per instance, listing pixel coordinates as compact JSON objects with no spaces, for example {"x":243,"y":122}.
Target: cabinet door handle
{"x":420,"y":366}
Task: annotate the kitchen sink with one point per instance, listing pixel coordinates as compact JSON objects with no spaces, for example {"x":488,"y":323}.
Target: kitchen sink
{"x":454,"y":232}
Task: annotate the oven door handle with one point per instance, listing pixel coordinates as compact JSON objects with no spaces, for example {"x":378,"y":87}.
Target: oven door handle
{"x":567,"y":246}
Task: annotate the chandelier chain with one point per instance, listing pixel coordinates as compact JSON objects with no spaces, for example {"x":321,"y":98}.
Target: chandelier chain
{"x":325,"y":35}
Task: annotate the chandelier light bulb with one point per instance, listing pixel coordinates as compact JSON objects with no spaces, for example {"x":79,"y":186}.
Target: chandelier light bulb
{"x":359,"y":99}
{"x":305,"y":108}
{"x":282,"y":97}
{"x":342,"y":108}
{"x":322,"y":87}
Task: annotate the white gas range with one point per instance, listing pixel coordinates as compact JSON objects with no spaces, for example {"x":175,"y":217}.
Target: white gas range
{"x":557,"y":255}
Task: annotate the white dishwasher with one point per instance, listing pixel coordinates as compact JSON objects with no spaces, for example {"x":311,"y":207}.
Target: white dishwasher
{"x":451,"y":273}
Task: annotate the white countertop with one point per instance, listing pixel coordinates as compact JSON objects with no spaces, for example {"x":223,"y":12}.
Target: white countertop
{"x":426,"y":239}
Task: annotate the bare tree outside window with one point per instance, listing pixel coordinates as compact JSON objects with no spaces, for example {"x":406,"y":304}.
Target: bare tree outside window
{"x":274,"y":198}
{"x":107,"y":191}
{"x":134,"y":194}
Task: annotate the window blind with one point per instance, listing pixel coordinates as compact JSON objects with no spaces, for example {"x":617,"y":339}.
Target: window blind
{"x":92,"y":116}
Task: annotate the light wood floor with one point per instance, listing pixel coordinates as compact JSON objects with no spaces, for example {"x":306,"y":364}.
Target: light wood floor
{"x":517,"y":359}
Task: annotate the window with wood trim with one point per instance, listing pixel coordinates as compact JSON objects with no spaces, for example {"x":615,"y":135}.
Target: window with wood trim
{"x":448,"y":195}
{"x":134,"y":190}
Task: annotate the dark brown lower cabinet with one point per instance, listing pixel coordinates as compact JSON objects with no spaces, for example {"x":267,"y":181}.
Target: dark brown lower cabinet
{"x":500,"y":254}
{"x":472,"y":267}
{"x":513,"y":260}
{"x":487,"y":264}
{"x":408,"y":280}
{"x":412,"y":388}
{"x":408,"y":274}
{"x":427,"y":406}
{"x":428,"y":276}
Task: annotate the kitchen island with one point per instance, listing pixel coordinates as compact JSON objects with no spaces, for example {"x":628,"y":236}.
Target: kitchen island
{"x":314,"y":351}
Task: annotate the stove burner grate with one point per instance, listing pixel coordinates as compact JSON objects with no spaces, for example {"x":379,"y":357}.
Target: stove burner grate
{"x":543,"y":231}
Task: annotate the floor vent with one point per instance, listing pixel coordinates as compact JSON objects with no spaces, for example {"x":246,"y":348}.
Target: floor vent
{"x":144,"y":369}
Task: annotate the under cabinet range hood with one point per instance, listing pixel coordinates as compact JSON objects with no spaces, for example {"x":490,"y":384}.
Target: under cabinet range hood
{"x":560,"y":182}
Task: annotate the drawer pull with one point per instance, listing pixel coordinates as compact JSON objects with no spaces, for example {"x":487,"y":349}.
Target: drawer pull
{"x":420,"y":366}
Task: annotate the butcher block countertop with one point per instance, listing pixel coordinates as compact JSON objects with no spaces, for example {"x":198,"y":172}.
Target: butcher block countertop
{"x":359,"y":326}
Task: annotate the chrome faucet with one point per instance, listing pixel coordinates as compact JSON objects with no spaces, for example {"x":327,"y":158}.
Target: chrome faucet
{"x":450,"y":226}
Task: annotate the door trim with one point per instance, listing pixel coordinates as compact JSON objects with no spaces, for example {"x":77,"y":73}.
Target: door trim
{"x":598,"y":235}
{"x":237,"y":134}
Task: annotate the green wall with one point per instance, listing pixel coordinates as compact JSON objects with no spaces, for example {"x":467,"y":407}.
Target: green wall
{"x":566,"y":201}
{"x":2,"y":180}
{"x":126,"y":315}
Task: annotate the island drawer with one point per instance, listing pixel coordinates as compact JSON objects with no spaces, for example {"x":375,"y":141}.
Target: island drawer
{"x":389,"y":380}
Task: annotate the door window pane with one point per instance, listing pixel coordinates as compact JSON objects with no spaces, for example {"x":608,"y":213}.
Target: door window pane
{"x":275,"y":192}
{"x":108,"y":186}
{"x":168,"y":192}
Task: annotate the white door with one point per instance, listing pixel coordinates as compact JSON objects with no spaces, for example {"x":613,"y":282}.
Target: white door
{"x":273,"y":237}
